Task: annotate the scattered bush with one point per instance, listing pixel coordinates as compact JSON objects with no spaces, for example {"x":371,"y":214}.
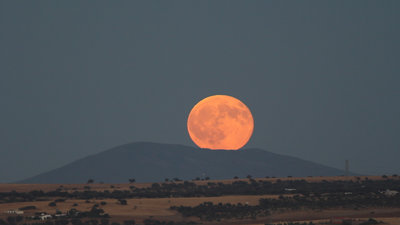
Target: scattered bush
{"x":52,"y":204}
{"x":122,"y":201}
{"x":129,"y":222}
{"x":30,"y":207}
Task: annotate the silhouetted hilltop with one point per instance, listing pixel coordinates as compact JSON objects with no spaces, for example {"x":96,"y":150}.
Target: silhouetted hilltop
{"x":150,"y":162}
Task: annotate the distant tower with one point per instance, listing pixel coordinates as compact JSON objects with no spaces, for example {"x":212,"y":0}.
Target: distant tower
{"x":347,"y":167}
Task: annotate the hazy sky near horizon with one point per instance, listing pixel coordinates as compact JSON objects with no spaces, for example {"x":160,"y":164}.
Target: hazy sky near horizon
{"x":78,"y":77}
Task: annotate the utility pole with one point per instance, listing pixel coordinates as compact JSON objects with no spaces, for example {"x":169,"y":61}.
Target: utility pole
{"x":347,"y":167}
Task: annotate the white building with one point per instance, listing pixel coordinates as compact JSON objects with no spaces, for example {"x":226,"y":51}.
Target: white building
{"x":18,"y":212}
{"x":390,"y":193}
{"x":290,"y":189}
{"x":45,"y":217}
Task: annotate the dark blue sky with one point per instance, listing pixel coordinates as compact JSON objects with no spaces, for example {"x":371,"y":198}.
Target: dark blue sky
{"x":78,"y":77}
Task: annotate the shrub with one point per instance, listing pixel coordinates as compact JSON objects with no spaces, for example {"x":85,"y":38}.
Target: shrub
{"x":30,"y":207}
{"x":105,"y":222}
{"x":122,"y":201}
{"x":129,"y":222}
{"x":52,"y":204}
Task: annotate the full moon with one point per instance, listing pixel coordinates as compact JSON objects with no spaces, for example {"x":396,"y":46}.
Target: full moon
{"x":220,"y":122}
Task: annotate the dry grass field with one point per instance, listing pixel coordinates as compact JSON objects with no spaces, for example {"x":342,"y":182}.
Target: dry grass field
{"x":141,"y":206}
{"x":158,"y":208}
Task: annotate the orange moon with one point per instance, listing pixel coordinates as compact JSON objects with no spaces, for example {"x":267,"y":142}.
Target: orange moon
{"x":220,"y":122}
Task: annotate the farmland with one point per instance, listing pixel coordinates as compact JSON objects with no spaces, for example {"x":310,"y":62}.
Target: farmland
{"x":237,"y":201}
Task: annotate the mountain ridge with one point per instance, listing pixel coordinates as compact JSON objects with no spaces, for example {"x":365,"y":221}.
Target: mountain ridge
{"x":152,"y":162}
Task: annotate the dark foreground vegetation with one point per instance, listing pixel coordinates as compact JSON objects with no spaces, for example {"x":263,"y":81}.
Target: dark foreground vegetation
{"x":89,"y":221}
{"x":344,"y":222}
{"x":210,"y":212}
{"x":191,"y":189}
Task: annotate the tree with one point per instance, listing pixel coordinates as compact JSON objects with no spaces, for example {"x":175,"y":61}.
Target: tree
{"x":76,"y":222}
{"x":90,"y":181}
{"x":11,"y":220}
{"x":155,"y":185}
{"x":61,"y":222}
{"x":92,"y":222}
{"x":372,"y":221}
{"x":96,"y":212}
{"x":19,"y":218}
{"x":132,"y":180}
{"x":122,"y":201}
{"x":52,"y":204}
{"x":129,"y":222}
{"x":105,"y":222}
{"x":28,"y":207}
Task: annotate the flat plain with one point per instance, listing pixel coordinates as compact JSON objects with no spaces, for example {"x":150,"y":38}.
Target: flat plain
{"x":158,"y":208}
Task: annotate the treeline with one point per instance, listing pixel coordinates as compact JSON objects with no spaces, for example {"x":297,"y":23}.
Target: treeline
{"x":344,"y":222}
{"x":293,"y":223}
{"x":191,"y":189}
{"x":91,"y":221}
{"x":331,"y":200}
{"x":157,"y":222}
{"x":209,"y":211}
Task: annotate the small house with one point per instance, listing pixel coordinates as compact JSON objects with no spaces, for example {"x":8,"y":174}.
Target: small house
{"x":390,"y":193}
{"x":290,"y":189}
{"x":18,"y":212}
{"x":45,"y":217}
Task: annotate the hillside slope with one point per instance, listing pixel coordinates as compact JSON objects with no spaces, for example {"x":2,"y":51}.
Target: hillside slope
{"x":150,"y":162}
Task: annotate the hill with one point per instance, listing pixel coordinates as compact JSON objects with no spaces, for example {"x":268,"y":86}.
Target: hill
{"x":151,"y":162}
